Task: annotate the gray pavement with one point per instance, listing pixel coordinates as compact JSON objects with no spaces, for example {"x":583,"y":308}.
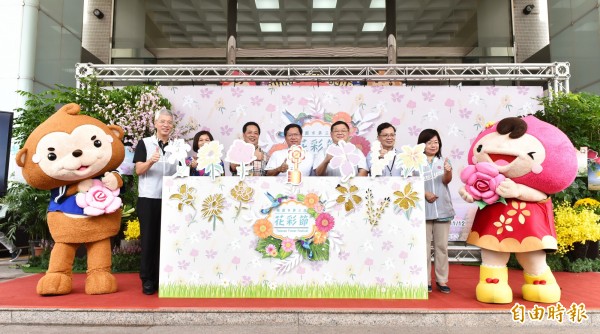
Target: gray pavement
{"x":19,"y":329}
{"x":183,"y":321}
{"x":11,"y":270}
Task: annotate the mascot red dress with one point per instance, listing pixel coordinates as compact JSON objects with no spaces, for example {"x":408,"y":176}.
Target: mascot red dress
{"x":74,"y":157}
{"x":520,"y":161}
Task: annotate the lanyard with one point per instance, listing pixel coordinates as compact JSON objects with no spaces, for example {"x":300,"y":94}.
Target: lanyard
{"x":392,"y":167}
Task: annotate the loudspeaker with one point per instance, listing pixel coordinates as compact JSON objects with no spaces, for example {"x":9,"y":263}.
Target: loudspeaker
{"x":6,"y":122}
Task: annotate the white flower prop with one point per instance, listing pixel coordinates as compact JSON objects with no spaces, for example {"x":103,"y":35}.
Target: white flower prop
{"x":377,"y":164}
{"x":344,"y":158}
{"x":241,"y":153}
{"x":178,"y":150}
{"x":412,"y":158}
{"x":209,"y":158}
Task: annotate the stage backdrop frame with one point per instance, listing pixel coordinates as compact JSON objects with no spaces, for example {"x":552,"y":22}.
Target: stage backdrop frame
{"x":552,"y":76}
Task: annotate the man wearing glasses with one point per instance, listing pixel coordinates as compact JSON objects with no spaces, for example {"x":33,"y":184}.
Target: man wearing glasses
{"x":339,"y":131}
{"x":278,"y":163}
{"x":386,"y":134}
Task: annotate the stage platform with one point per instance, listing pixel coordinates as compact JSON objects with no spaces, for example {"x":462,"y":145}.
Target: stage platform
{"x":20,"y":305}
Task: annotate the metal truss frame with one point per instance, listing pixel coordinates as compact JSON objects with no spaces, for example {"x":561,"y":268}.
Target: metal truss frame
{"x":553,"y":75}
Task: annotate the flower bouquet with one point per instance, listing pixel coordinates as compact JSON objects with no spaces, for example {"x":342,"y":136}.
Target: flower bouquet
{"x":481,"y":181}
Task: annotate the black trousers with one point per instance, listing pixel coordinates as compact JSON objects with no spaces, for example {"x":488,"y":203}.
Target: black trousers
{"x":149,"y":212}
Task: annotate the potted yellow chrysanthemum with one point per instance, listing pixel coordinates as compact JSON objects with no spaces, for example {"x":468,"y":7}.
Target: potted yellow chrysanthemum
{"x":131,"y":233}
{"x":578,"y":228}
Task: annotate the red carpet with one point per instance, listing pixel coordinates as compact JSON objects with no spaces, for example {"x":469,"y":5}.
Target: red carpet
{"x":20,"y":293}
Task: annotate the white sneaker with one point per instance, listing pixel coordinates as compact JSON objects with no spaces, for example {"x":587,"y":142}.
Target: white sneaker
{"x":15,"y":255}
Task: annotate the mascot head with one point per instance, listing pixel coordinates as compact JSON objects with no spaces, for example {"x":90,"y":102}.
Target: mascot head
{"x":528,"y":151}
{"x":69,"y":147}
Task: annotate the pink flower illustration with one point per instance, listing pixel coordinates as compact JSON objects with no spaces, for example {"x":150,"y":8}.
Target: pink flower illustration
{"x":324,"y":222}
{"x":387,"y":245}
{"x":271,"y":108}
{"x":377,"y":89}
{"x":287,"y":99}
{"x":457,"y":153}
{"x":522,"y":90}
{"x":397,"y":97}
{"x":428,"y":96}
{"x":98,"y":200}
{"x":271,"y":250}
{"x":481,"y":181}
{"x":206,"y":234}
{"x":211,"y":254}
{"x":288,"y":245}
{"x":205,"y":92}
{"x":464,"y":112}
{"x":369,"y":262}
{"x":256,"y":100}
{"x":183,"y":264}
{"x":376,"y":232}
{"x":303,"y":101}
{"x":492,"y":90}
{"x":449,"y":103}
{"x":363,"y":145}
{"x":411,"y":104}
{"x":226,"y":130}
{"x":236,"y":91}
{"x":240,"y":152}
{"x":415,"y":270}
{"x":414,"y":131}
{"x":343,"y":255}
{"x":173,"y":228}
{"x":244,"y":231}
{"x":344,"y":158}
{"x":300,"y":271}
{"x":235,"y":260}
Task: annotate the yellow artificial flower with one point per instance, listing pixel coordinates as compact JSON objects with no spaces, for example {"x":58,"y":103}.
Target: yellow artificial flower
{"x":413,"y":157}
{"x":242,"y":192}
{"x":185,"y":197}
{"x":212,"y":207}
{"x":348,"y":196}
{"x":407,"y":199}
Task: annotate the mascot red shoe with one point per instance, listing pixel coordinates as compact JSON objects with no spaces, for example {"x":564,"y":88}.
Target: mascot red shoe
{"x":74,"y":157}
{"x":519,"y":161}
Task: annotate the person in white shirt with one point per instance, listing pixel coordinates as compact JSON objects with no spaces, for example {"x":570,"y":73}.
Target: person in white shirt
{"x":151,"y":165}
{"x":278,"y":162}
{"x":386,"y":134}
{"x":339,"y":131}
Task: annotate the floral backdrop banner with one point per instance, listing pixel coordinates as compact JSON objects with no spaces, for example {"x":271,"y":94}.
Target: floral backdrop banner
{"x":457,"y":113}
{"x":262,"y":238}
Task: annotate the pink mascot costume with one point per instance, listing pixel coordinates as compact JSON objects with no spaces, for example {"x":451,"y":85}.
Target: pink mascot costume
{"x":513,"y":167}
